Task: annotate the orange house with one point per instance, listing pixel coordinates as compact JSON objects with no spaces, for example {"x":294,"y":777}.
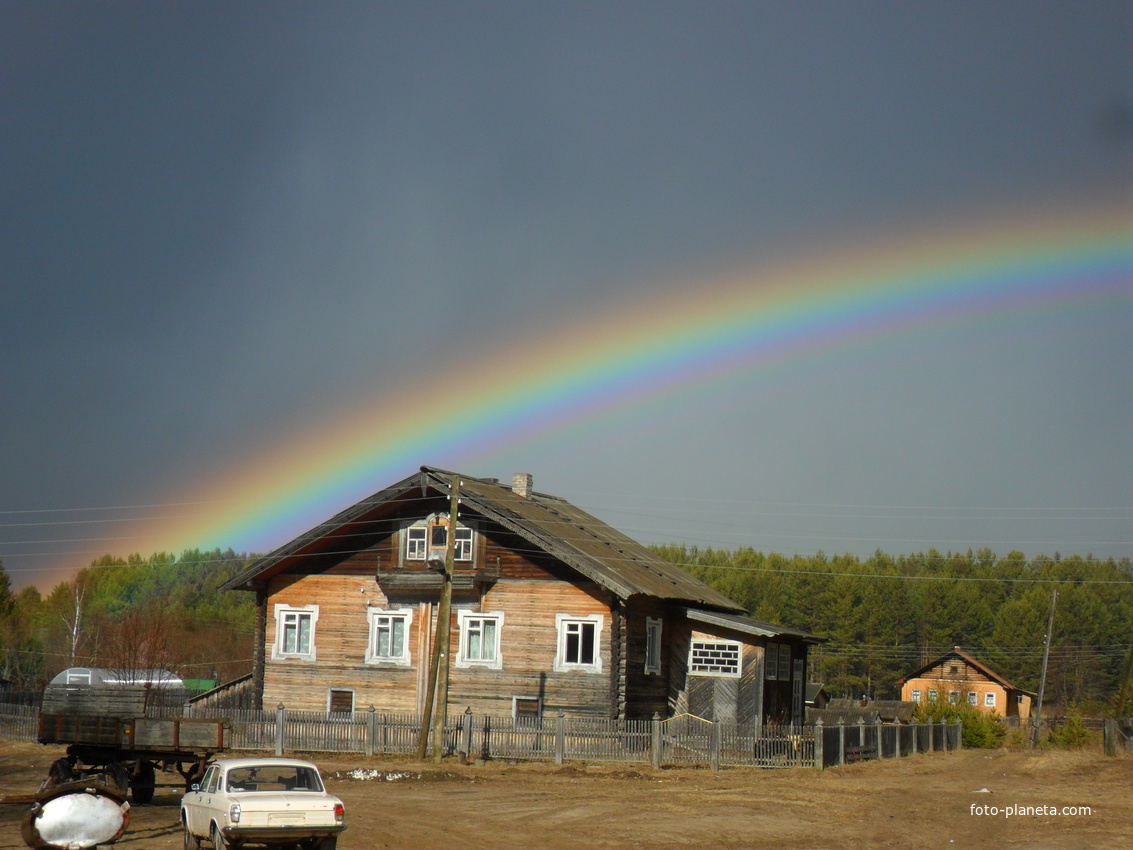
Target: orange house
{"x":957,"y":677}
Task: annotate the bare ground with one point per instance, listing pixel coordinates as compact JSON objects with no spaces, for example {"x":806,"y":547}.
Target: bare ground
{"x":922,"y":801}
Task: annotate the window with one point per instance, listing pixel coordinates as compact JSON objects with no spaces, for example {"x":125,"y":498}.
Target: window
{"x":479,"y":639}
{"x":954,"y":670}
{"x":953,"y":697}
{"x":415,"y":548}
{"x":1018,"y":699}
{"x":340,"y":701}
{"x":463,"y":550}
{"x":78,"y":677}
{"x":714,"y":658}
{"x":932,"y":695}
{"x":973,"y":698}
{"x":652,"y":645}
{"x":209,"y":783}
{"x":429,"y":539}
{"x":784,"y":662}
{"x":989,"y":700}
{"x":295,"y":631}
{"x":578,"y":645}
{"x":915,"y":695}
{"x":389,"y":636}
{"x":771,"y":662}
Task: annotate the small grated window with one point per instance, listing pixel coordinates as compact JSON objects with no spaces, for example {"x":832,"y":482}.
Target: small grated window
{"x":714,"y":658}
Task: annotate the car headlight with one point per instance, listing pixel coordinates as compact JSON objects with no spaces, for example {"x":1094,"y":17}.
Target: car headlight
{"x":234,"y":813}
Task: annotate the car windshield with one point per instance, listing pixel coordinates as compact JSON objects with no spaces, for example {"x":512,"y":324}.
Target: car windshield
{"x":273,"y":777}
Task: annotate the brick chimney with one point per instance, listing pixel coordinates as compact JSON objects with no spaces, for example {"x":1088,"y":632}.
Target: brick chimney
{"x":521,"y":484}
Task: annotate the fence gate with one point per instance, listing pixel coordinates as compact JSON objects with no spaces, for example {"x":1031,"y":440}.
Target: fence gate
{"x":687,"y":739}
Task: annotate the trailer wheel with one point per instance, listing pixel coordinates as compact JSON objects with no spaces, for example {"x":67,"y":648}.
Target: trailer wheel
{"x":144,"y":783}
{"x":60,"y":772}
{"x":119,"y":775}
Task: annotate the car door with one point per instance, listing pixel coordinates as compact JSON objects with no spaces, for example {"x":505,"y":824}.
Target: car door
{"x":198,"y":809}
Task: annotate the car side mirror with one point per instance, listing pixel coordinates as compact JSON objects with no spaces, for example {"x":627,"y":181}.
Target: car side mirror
{"x":196,"y":786}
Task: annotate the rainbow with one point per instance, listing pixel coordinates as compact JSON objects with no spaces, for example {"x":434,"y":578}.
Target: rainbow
{"x":728,"y":323}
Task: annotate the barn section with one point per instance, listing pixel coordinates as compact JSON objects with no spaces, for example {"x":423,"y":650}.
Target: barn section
{"x":554,"y":612}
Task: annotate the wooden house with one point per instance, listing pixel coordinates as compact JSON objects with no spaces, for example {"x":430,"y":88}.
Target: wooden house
{"x":957,"y":677}
{"x":552,"y":611}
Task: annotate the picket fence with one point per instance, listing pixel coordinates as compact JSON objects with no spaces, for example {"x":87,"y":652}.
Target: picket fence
{"x":682,"y":740}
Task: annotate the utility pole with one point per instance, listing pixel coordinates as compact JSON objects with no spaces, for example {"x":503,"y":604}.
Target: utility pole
{"x":436,"y":696}
{"x":1038,"y":718}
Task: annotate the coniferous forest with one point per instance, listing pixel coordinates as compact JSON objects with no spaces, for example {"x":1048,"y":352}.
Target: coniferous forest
{"x":884,"y":616}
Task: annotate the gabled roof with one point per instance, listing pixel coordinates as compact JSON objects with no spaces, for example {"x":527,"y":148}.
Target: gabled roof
{"x":552,"y":525}
{"x":955,"y":653}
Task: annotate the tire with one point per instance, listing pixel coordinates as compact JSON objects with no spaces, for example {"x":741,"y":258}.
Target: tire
{"x":144,"y":784}
{"x":191,"y":841}
{"x":218,"y":842}
{"x":60,"y":773}
{"x":119,"y":776}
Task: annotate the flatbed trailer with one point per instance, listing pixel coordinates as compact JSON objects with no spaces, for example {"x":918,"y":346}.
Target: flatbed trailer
{"x":110,"y":732}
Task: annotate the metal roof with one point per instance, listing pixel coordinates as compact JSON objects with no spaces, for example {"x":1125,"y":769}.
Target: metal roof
{"x":551,"y":524}
{"x":750,"y":626}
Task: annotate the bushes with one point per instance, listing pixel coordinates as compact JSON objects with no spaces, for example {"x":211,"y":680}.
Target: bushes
{"x":980,"y":731}
{"x":1069,"y":732}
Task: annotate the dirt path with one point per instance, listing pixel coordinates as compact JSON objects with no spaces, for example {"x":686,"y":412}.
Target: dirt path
{"x":924,"y":801}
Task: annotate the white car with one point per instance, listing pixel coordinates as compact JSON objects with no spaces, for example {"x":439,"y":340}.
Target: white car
{"x":274,"y":802}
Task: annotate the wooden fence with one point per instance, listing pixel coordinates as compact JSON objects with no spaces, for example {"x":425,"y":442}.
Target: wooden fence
{"x":682,"y":740}
{"x":19,"y":722}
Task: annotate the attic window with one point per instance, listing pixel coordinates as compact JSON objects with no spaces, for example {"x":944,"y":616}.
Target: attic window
{"x":428,"y":538}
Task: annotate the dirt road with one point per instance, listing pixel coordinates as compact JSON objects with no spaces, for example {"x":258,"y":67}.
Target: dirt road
{"x":923,"y":801}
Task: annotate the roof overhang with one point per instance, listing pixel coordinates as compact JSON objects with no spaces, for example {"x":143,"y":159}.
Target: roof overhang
{"x":748,"y":625}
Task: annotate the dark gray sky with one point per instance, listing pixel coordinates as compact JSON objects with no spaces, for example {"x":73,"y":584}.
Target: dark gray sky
{"x":224,"y":223}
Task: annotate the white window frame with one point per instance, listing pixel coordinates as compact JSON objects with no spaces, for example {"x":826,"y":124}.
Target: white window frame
{"x":933,"y":695}
{"x":653,"y":632}
{"x":973,"y":698}
{"x":563,"y":625}
{"x":373,"y":615}
{"x":989,"y":699}
{"x":282,"y":614}
{"x":464,"y":620}
{"x":715,"y":645}
{"x":417,"y":543}
{"x":953,"y":697}
{"x":915,"y":695}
